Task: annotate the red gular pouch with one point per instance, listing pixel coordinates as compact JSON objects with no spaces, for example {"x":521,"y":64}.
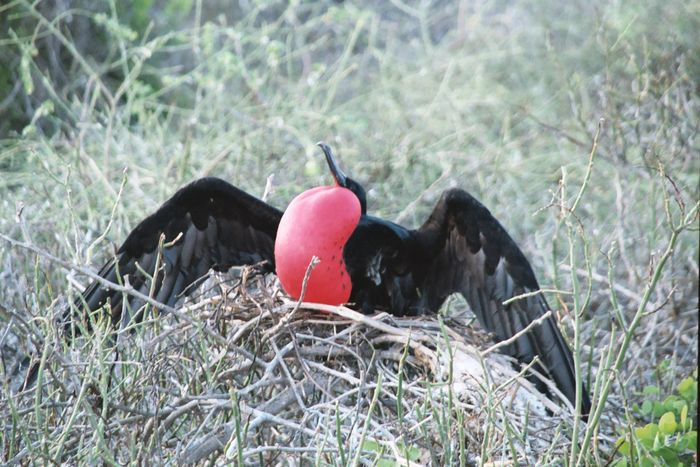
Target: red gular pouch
{"x":318,"y":223}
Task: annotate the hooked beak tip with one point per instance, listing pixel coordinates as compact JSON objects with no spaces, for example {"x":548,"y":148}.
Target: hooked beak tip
{"x":327,"y":151}
{"x":338,"y":174}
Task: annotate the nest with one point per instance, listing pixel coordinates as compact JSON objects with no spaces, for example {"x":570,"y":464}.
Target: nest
{"x":255,"y":378}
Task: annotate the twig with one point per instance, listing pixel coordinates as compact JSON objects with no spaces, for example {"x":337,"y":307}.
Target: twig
{"x":518,"y":334}
{"x":126,"y":290}
{"x":604,"y":280}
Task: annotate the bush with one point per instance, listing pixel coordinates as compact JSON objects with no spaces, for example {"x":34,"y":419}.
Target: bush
{"x":672,"y":439}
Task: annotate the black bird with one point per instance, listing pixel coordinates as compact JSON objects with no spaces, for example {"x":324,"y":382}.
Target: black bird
{"x":461,"y":248}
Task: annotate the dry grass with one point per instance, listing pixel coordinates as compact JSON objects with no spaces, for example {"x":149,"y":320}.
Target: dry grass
{"x":504,"y":100}
{"x":270,"y":381}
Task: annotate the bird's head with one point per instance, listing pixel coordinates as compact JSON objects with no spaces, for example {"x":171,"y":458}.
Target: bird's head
{"x":343,"y":180}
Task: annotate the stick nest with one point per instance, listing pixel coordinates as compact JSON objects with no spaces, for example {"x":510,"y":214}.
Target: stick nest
{"x":255,"y":378}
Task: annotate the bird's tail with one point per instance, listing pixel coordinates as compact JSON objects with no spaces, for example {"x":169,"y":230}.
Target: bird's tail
{"x":559,"y":362}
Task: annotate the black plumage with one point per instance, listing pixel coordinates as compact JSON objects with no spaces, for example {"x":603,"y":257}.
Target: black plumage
{"x":208,"y":224}
{"x":461,"y":248}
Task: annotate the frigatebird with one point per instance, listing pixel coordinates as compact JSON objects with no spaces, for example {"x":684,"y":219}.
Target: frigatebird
{"x":367,"y":262}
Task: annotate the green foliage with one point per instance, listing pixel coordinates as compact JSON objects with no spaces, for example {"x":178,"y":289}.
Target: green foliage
{"x":135,"y":13}
{"x":102,"y":33}
{"x":672,"y":439}
{"x":384,"y":459}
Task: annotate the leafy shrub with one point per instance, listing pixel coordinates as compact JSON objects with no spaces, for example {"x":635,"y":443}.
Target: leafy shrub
{"x":672,"y":439}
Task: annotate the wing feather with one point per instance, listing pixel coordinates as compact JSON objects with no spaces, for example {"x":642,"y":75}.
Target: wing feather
{"x":468,"y":251}
{"x":208,"y":224}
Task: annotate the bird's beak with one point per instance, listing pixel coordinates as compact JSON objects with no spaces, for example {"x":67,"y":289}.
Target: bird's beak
{"x":338,"y":174}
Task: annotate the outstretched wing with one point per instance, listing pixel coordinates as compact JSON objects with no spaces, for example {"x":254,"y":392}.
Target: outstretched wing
{"x":468,"y":251}
{"x":208,"y":224}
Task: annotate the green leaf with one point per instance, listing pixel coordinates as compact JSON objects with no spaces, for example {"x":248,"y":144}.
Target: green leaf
{"x":370,"y":445}
{"x":623,"y":446}
{"x":692,"y":440}
{"x":678,"y":406}
{"x":670,"y":400}
{"x":681,"y":444}
{"x":685,"y":387}
{"x":667,"y":423}
{"x":684,"y":415}
{"x":647,"y":407}
{"x":667,"y":454}
{"x":650,"y":390}
{"x":647,"y":432}
{"x":659,"y":409}
{"x":414,"y":454}
{"x":688,"y":389}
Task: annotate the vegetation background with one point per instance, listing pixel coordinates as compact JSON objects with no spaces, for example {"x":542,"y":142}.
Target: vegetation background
{"x":576,"y":123}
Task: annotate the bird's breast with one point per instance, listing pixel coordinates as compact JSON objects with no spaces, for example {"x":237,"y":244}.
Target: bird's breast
{"x":317,"y":223}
